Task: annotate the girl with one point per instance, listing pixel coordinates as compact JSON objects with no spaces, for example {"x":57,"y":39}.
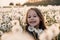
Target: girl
{"x":36,"y":27}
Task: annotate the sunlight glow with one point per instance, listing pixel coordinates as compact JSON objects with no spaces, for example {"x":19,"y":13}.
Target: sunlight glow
{"x":6,"y":2}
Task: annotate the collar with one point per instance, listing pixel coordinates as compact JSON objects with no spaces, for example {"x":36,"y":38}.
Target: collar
{"x":32,"y":29}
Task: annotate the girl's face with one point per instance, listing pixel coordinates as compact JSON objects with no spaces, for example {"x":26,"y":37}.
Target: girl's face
{"x":32,"y":18}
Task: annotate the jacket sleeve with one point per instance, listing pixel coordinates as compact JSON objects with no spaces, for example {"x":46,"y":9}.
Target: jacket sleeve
{"x":50,"y":32}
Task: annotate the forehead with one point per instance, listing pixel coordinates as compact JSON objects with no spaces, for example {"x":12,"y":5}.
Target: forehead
{"x":32,"y":12}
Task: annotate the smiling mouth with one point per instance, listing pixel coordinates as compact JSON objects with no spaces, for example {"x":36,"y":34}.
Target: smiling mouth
{"x":33,"y":22}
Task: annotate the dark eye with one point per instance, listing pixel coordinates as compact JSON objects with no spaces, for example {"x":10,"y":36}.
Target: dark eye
{"x":29,"y":17}
{"x":34,"y":16}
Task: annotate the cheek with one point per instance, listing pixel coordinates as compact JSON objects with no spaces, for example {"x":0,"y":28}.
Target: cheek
{"x":38,"y":21}
{"x":28,"y":20}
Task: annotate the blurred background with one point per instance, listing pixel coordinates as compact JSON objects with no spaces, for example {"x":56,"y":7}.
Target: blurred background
{"x":30,"y":2}
{"x":15,"y":9}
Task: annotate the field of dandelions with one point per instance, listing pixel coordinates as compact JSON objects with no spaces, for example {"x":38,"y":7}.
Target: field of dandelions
{"x":51,"y":15}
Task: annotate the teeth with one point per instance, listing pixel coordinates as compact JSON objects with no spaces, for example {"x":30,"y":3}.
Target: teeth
{"x":33,"y":22}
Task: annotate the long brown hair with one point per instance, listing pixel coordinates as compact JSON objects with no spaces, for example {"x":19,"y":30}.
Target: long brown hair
{"x":41,"y":24}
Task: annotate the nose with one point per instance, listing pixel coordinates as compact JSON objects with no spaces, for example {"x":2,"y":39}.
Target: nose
{"x":32,"y":18}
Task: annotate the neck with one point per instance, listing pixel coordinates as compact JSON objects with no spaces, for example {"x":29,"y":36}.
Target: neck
{"x":36,"y":26}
